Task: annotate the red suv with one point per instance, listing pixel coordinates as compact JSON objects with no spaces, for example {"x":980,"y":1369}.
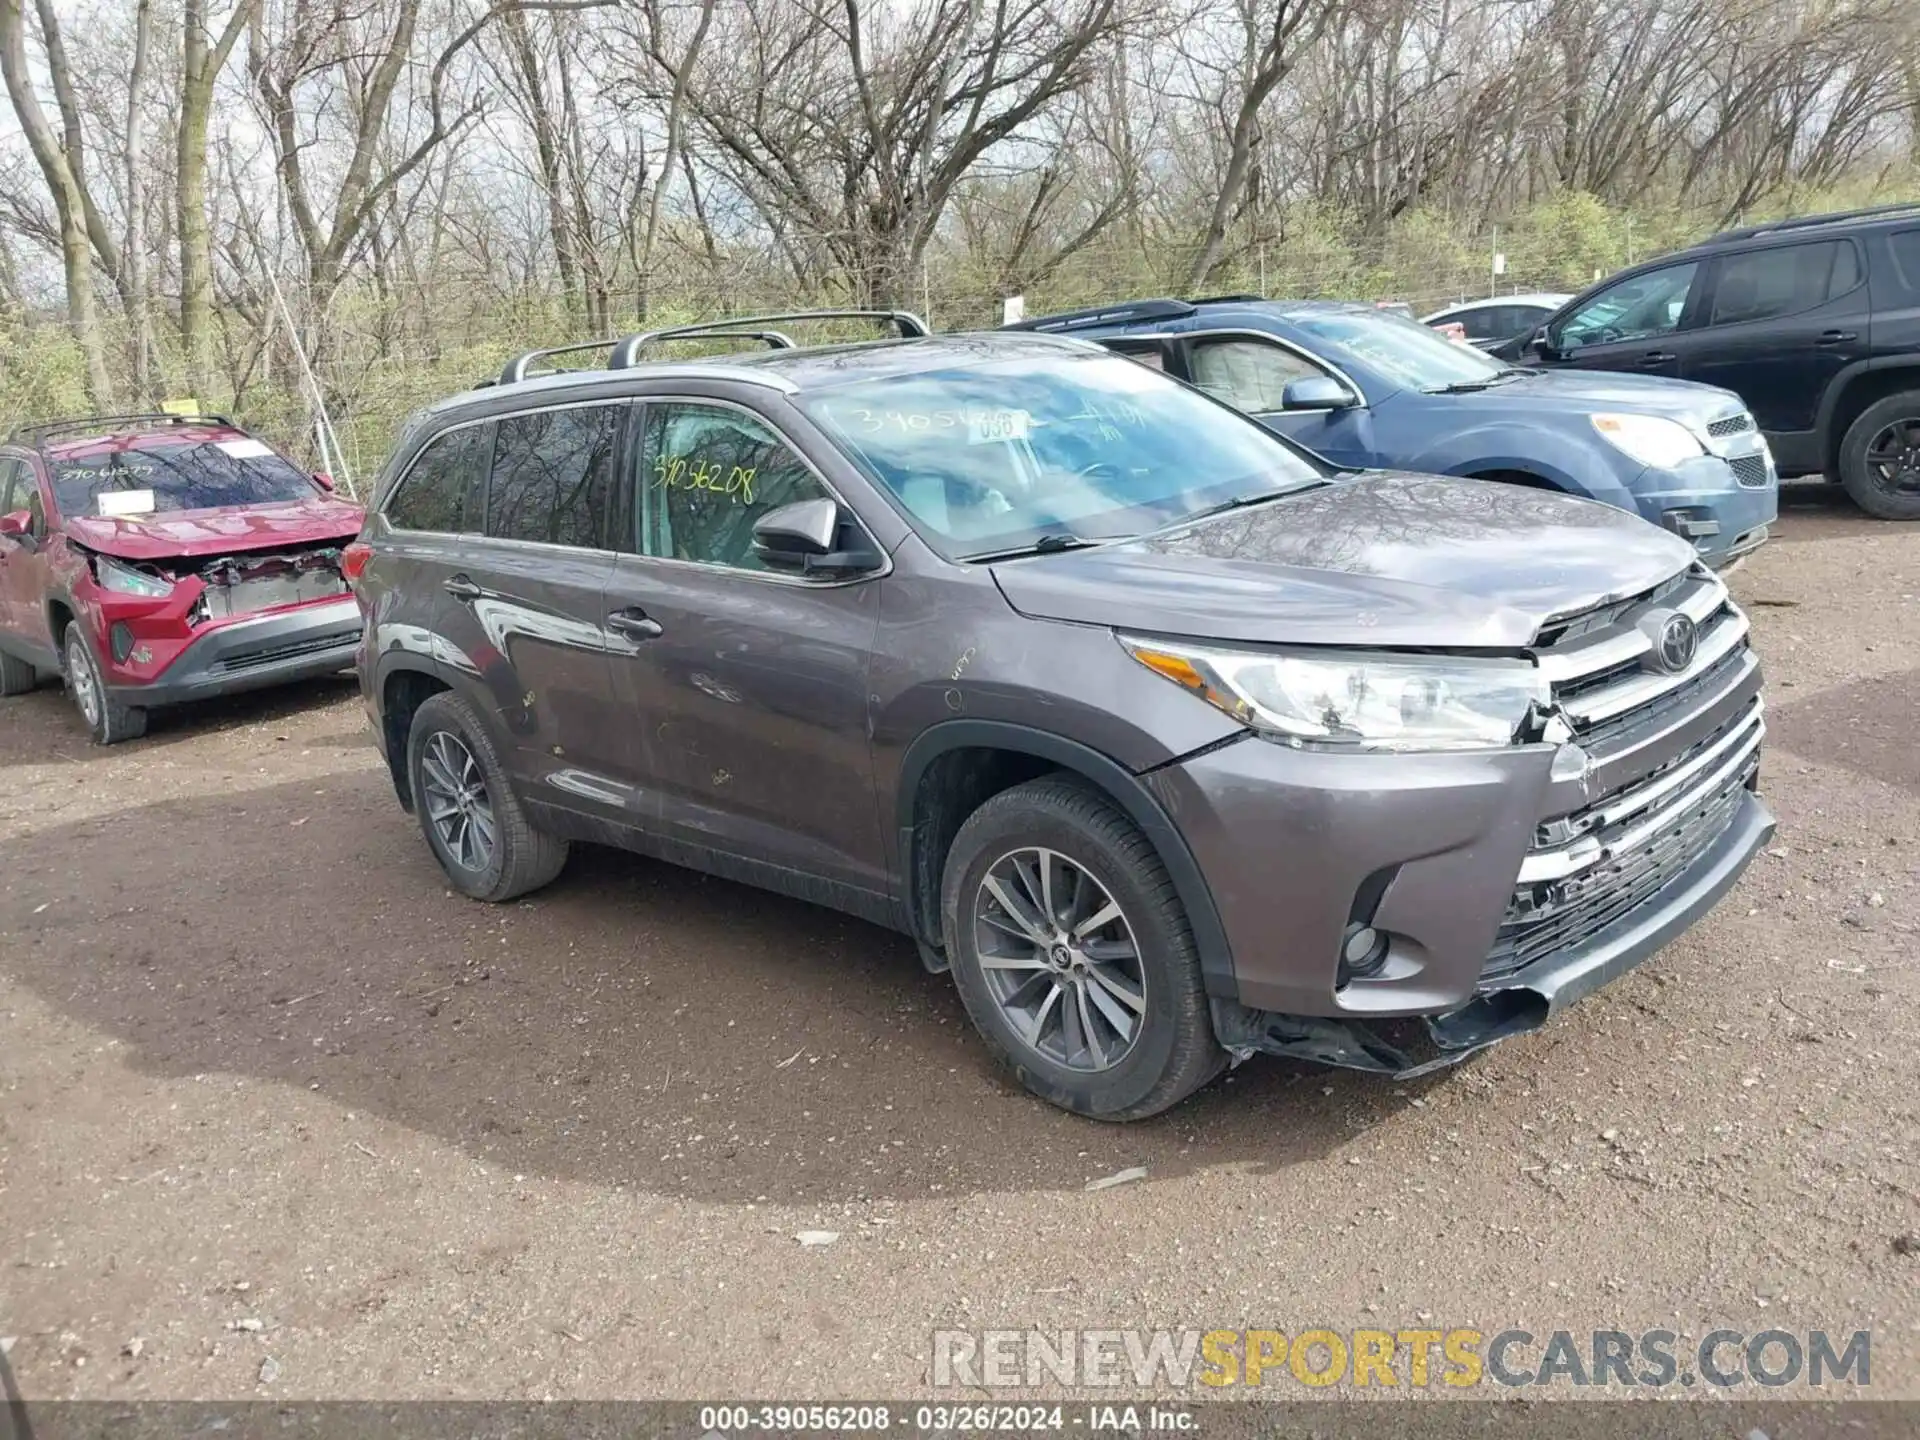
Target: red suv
{"x":150,"y":559}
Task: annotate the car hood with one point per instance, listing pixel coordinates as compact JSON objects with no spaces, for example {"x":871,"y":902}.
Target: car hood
{"x":170,"y":533}
{"x":1387,"y":560}
{"x":1585,"y":392}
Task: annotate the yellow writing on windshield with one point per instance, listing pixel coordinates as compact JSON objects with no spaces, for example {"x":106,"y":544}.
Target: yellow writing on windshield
{"x":685,"y":472}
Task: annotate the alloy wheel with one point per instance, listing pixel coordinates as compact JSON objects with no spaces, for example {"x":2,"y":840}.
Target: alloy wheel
{"x":1060,"y":959}
{"x":458,"y":806}
{"x":83,"y":682}
{"x":1893,"y":456}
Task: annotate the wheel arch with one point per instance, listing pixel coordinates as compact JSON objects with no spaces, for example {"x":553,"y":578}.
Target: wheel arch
{"x":1853,"y":390}
{"x":952,"y":768}
{"x":1525,"y":478}
{"x":404,"y":688}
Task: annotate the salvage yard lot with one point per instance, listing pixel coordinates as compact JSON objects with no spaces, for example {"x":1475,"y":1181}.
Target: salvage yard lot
{"x":259,"y":1064}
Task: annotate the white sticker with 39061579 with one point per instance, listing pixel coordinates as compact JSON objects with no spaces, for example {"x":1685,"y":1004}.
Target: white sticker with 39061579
{"x":984,"y":427}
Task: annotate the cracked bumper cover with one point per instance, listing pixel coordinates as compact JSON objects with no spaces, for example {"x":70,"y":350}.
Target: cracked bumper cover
{"x":250,"y":654}
{"x":1288,"y":839}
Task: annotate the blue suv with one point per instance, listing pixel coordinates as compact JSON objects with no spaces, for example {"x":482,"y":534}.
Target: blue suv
{"x":1370,"y":390}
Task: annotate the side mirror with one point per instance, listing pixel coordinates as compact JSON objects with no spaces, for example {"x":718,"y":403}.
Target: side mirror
{"x":1317,"y":392}
{"x":802,"y":536}
{"x":17,"y":526}
{"x":323,"y":480}
{"x":1542,"y":345}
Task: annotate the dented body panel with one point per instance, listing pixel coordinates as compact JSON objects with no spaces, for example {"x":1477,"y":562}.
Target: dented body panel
{"x":826,"y":738}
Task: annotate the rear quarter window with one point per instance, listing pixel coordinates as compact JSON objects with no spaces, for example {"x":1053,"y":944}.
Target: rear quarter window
{"x":1905,"y":245}
{"x":432,"y":494}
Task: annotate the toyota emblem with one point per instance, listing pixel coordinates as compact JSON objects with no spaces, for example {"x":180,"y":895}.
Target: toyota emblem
{"x":1679,"y":638}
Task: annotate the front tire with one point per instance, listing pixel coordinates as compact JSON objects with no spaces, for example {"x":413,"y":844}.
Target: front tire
{"x":107,"y":720}
{"x":1073,"y":955}
{"x":474,"y":823}
{"x":1880,"y":458}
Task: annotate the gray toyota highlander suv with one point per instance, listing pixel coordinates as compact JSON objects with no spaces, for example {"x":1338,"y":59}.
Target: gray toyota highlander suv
{"x":1171,"y":743}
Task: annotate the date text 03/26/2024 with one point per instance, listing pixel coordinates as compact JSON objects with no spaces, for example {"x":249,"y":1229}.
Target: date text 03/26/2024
{"x":720,"y":1420}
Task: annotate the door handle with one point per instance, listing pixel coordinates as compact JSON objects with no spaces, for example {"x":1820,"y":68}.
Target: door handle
{"x":1836,"y":337}
{"x":1657,"y":357}
{"x":634,"y":623}
{"x":461,"y":588}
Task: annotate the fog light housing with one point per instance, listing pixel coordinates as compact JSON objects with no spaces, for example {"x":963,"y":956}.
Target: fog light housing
{"x":121,"y":638}
{"x":1690,"y":523}
{"x":1363,"y":951}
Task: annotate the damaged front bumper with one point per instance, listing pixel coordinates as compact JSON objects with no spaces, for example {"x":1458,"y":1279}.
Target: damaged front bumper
{"x":1520,"y":1002}
{"x":254,"y":652}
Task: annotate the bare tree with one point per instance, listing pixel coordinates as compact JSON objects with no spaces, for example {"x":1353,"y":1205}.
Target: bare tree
{"x":203,"y":57}
{"x":67,"y":185}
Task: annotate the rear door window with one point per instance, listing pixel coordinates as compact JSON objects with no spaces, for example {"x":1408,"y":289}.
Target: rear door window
{"x":433,"y":494}
{"x":552,"y":474}
{"x":1763,"y":284}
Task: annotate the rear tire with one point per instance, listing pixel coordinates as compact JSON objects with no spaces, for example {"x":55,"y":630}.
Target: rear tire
{"x":107,"y":720}
{"x":1153,"y":1042}
{"x":1880,"y":458}
{"x":17,"y":677}
{"x":474,"y":823}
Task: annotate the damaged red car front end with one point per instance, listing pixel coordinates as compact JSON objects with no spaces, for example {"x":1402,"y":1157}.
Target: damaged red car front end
{"x":207,"y":602}
{"x":170,"y":598}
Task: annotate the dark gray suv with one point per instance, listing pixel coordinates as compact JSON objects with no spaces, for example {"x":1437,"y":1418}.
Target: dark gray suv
{"x":1171,"y":743}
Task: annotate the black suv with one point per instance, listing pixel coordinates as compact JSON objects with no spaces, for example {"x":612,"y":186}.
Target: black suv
{"x":1814,"y":322}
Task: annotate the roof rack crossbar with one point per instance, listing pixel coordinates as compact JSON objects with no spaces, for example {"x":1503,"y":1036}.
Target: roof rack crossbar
{"x":521,"y":365}
{"x":1804,"y":222}
{"x":627,"y":352}
{"x":1129,"y":310}
{"x":40,"y":430}
{"x":908,"y":325}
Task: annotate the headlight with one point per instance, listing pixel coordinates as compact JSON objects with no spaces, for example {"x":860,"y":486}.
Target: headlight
{"x":1355,"y":701}
{"x":124,"y":580}
{"x":1649,"y":439}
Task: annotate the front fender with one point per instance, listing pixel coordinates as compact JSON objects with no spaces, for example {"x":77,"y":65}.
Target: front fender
{"x":1579,"y":464}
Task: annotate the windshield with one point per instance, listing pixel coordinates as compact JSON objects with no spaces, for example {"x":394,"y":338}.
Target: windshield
{"x":1405,"y":351}
{"x":193,"y":475}
{"x":994,"y":457}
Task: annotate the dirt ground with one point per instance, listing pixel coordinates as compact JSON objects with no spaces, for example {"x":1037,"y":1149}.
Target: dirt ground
{"x":274,"y":1102}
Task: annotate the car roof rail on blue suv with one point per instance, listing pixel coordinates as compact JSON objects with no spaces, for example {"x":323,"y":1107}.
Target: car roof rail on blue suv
{"x":1124,"y":313}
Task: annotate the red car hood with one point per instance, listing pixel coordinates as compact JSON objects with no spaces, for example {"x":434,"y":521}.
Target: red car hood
{"x":217,"y":532}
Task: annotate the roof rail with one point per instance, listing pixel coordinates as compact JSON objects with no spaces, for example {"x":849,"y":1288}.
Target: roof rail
{"x":625,"y":351}
{"x":40,"y":430}
{"x":1107,"y":315}
{"x":521,"y":365}
{"x":1224,"y":299}
{"x":1804,"y":222}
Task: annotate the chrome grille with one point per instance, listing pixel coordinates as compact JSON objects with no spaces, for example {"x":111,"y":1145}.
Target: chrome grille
{"x":1749,"y":469}
{"x":1730,"y":425}
{"x":1603,"y":681}
{"x":1589,"y":869}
